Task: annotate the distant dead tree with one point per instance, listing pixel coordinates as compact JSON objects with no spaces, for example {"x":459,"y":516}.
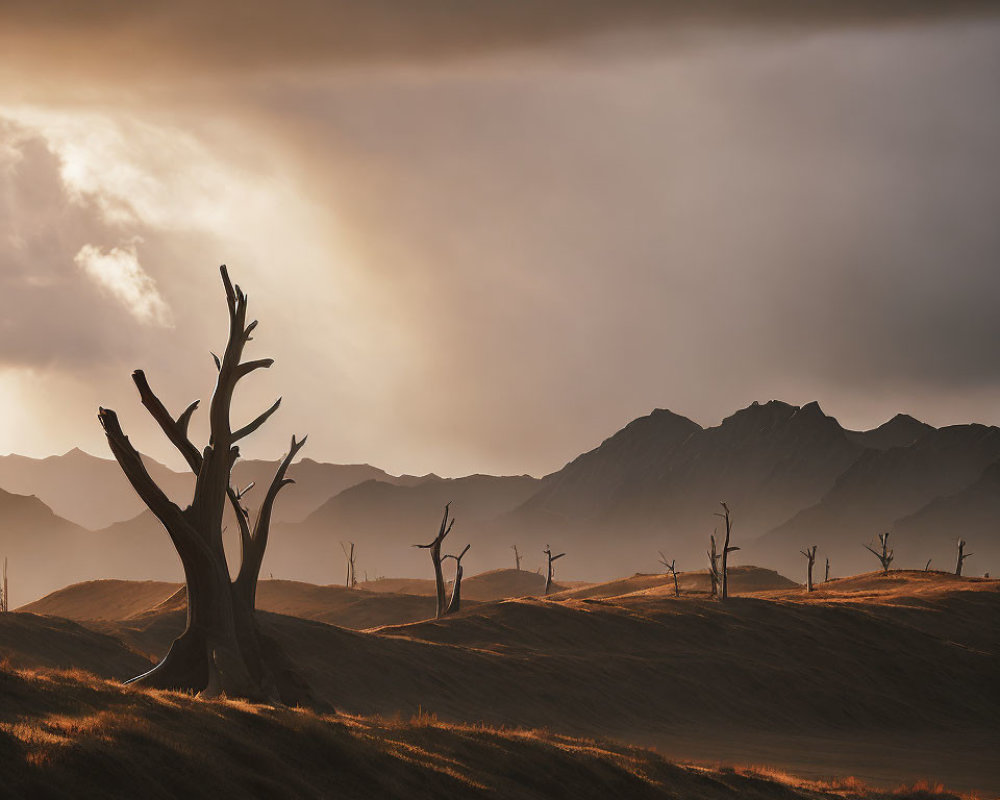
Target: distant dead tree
{"x":826,"y":577}
{"x":455,"y":603}
{"x":221,"y":650}
{"x":4,"y":595}
{"x":435,"y":547}
{"x":351,"y":580}
{"x":517,"y":558}
{"x":713,"y":566}
{"x":927,"y":566}
{"x":810,"y":554}
{"x":885,"y":555}
{"x":548,"y":574}
{"x":726,"y":549}
{"x":962,"y":555}
{"x":672,"y":570}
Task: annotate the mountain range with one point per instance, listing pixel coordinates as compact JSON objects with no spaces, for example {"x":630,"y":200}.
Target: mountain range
{"x":792,"y":475}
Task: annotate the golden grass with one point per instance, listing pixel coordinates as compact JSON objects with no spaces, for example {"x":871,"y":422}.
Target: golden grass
{"x":70,"y":734}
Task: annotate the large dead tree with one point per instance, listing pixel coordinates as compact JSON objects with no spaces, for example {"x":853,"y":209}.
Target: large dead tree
{"x":548,"y":573}
{"x":962,"y":555}
{"x":726,"y":549}
{"x":672,"y":570}
{"x":455,"y":604}
{"x":517,"y":558}
{"x":351,"y":580}
{"x":884,"y":555}
{"x":713,"y":566}
{"x":810,"y":554}
{"x":435,"y":549}
{"x":221,"y":650}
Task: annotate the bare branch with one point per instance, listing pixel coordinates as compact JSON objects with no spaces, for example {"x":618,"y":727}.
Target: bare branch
{"x":250,"y":427}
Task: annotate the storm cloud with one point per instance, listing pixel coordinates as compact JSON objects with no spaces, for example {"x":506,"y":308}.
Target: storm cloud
{"x":483,"y":241}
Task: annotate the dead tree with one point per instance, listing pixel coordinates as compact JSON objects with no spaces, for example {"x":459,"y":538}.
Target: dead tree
{"x":220,"y":650}
{"x":517,"y":558}
{"x":548,"y":574}
{"x":726,"y":550}
{"x":885,"y":555}
{"x":351,"y":581}
{"x":810,"y":554}
{"x":435,"y":548}
{"x":455,"y":603}
{"x":927,"y":566}
{"x":671,"y":569}
{"x":962,"y":555}
{"x":4,"y":596}
{"x":713,"y":567}
{"x":826,"y":576}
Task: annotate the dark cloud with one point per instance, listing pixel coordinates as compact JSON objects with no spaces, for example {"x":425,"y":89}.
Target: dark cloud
{"x":120,"y":38}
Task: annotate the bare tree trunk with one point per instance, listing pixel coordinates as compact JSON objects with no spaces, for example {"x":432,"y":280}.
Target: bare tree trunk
{"x":6,"y":591}
{"x":810,"y":554}
{"x":351,"y":581}
{"x":517,"y":558}
{"x":455,"y":604}
{"x":962,"y":555}
{"x":927,"y":566}
{"x":884,"y":555}
{"x":826,"y":577}
{"x":548,"y":574}
{"x":435,"y":548}
{"x":713,"y":567}
{"x":220,"y":650}
{"x":672,"y":569}
{"x":726,"y":550}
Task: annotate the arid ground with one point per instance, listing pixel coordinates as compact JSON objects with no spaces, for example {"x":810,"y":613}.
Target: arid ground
{"x":864,"y":686}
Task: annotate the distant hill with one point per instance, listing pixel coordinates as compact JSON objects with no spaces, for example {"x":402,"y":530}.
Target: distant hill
{"x":90,"y":491}
{"x":386,"y":520}
{"x":900,"y":431}
{"x":44,"y":550}
{"x":881,"y":489}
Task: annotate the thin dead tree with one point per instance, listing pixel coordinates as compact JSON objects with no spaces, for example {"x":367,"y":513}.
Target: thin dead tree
{"x":455,"y":604}
{"x":548,"y":573}
{"x":672,"y":570}
{"x":726,"y":549}
{"x":221,"y":650}
{"x":962,"y":555}
{"x":927,"y":566}
{"x":826,"y":576}
{"x":713,"y":565}
{"x":884,"y":555}
{"x":517,"y":558}
{"x":435,"y":547}
{"x":4,"y":596}
{"x":351,"y":581}
{"x":810,"y":554}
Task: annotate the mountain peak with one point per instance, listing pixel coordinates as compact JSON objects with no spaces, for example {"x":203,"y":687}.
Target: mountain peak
{"x":900,"y":431}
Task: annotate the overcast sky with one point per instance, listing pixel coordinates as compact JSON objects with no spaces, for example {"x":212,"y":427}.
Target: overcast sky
{"x":484,"y":239}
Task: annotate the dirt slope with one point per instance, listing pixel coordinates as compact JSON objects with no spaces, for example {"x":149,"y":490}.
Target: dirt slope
{"x":27,"y":640}
{"x":62,"y":735}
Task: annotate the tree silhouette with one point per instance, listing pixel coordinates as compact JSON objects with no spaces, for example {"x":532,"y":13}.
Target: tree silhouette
{"x":962,"y":555}
{"x":221,"y":650}
{"x":884,"y":555}
{"x":672,"y":569}
{"x":726,"y":550}
{"x":810,"y":554}
{"x":435,"y":547}
{"x":455,"y":604}
{"x":548,"y":573}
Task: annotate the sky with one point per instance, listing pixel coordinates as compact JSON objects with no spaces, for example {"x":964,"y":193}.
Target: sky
{"x":484,"y":236}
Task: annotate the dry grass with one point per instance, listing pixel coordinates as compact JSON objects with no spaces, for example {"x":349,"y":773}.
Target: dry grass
{"x":69,"y":734}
